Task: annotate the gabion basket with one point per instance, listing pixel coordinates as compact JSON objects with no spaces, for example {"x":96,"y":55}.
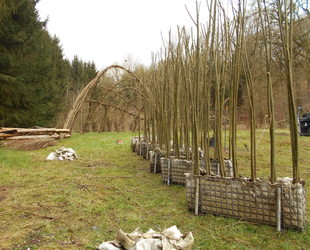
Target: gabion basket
{"x":215,"y":168}
{"x":249,"y":201}
{"x":174,"y":170}
{"x":134,"y":141}
{"x":155,"y":163}
{"x":145,"y":150}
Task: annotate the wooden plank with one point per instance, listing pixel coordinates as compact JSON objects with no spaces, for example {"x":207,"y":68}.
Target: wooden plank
{"x":8,"y":128}
{"x":3,"y":135}
{"x":43,"y":130}
{"x":8,"y":131}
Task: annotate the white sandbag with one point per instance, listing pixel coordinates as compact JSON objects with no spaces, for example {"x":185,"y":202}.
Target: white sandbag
{"x":151,"y":234}
{"x":169,"y":244}
{"x":51,"y":157}
{"x":172,"y":233}
{"x":186,"y":242}
{"x":148,"y":244}
{"x":135,"y":235}
{"x":70,"y":150}
{"x":110,"y":246}
{"x":169,"y":239}
{"x":124,"y":240}
{"x":63,"y":154}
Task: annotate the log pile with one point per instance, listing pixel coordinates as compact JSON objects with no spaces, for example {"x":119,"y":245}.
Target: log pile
{"x":31,"y":138}
{"x":33,"y":133}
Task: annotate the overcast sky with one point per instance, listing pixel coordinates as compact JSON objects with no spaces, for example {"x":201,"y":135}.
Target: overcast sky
{"x":108,"y":31}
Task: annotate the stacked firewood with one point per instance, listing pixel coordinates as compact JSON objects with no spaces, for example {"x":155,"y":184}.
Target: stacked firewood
{"x":33,"y":133}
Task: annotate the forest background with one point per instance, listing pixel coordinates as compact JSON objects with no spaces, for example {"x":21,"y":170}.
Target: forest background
{"x":38,"y":85}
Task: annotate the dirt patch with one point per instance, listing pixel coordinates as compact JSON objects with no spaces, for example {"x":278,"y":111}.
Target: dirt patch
{"x":3,"y":193}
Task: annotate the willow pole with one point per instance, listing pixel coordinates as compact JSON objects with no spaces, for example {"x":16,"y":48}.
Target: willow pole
{"x":195,"y":92}
{"x":218,"y":74}
{"x":249,"y":85}
{"x":286,"y":30}
{"x":206,"y":93}
{"x":236,"y":61}
{"x":266,"y":29}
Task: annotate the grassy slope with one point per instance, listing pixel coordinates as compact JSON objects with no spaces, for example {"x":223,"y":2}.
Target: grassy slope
{"x":80,"y":204}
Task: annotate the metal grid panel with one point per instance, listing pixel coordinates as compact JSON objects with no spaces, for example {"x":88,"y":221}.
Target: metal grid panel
{"x":255,"y":202}
{"x":158,"y":155}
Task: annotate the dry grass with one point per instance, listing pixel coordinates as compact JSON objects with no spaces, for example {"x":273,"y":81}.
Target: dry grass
{"x":79,"y":204}
{"x":30,"y":144}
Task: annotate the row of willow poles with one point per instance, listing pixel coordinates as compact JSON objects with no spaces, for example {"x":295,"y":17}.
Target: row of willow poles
{"x":193,"y":85}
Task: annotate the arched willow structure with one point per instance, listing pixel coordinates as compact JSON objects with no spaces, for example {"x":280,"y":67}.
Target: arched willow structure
{"x":193,"y":90}
{"x":107,"y":98}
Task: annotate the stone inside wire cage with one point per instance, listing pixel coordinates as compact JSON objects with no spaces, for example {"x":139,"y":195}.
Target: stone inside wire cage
{"x":255,"y":202}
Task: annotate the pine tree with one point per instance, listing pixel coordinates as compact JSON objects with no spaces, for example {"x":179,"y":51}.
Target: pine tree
{"x":34,"y":77}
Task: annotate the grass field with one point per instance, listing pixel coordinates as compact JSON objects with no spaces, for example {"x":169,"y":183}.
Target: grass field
{"x":77,"y":205}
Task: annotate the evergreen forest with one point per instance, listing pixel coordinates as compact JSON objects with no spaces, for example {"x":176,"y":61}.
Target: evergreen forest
{"x":36,"y":82}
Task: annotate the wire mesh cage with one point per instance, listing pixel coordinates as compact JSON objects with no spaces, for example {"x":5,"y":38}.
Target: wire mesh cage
{"x":155,"y":163}
{"x":249,"y":201}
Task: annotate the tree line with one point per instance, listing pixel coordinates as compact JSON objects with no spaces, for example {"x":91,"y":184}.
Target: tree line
{"x":262,"y":51}
{"x":256,"y":62}
{"x":36,"y":82}
{"x":38,"y":86}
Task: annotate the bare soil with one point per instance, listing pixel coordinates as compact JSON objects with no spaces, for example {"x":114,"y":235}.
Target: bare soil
{"x":3,"y":192}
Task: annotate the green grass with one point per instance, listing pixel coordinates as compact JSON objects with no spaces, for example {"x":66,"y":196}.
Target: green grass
{"x":77,"y":205}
